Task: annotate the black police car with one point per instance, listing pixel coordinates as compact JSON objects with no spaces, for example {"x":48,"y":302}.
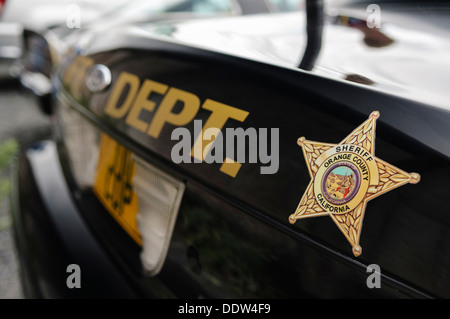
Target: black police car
{"x":183,"y":155}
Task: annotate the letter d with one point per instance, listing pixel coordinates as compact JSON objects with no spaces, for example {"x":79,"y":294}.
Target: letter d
{"x":225,"y":308}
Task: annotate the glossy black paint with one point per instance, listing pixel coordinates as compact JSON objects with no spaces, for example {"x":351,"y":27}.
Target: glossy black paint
{"x":232,"y":237}
{"x":396,"y":233}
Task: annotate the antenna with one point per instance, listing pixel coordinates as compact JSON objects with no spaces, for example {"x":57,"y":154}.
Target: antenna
{"x":314,"y":30}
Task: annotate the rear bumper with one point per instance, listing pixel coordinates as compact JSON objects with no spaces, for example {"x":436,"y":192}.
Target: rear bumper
{"x":51,"y":234}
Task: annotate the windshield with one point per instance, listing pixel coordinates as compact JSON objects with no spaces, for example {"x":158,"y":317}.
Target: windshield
{"x":140,"y":9}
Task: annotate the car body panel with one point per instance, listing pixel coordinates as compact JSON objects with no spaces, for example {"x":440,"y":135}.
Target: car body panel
{"x":316,"y":116}
{"x":400,"y":58}
{"x":232,"y":237}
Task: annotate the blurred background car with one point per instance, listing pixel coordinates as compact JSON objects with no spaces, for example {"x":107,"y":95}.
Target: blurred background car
{"x":20,"y":19}
{"x":11,"y":42}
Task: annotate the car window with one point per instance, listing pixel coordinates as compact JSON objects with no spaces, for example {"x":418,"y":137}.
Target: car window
{"x":287,"y":5}
{"x":143,"y":10}
{"x":202,"y":6}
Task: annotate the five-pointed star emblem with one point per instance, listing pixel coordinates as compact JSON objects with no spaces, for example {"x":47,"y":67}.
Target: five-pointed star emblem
{"x":344,"y":177}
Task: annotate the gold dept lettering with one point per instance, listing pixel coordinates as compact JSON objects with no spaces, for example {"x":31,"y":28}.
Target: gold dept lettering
{"x":137,"y":100}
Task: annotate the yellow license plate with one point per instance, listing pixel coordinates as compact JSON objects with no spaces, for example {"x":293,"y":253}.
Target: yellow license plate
{"x":114,"y":185}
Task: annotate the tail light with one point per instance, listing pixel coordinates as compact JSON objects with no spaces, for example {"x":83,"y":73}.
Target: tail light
{"x":2,"y":4}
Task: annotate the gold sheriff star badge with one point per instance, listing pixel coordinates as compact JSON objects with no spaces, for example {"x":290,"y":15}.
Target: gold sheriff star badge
{"x":344,"y":177}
